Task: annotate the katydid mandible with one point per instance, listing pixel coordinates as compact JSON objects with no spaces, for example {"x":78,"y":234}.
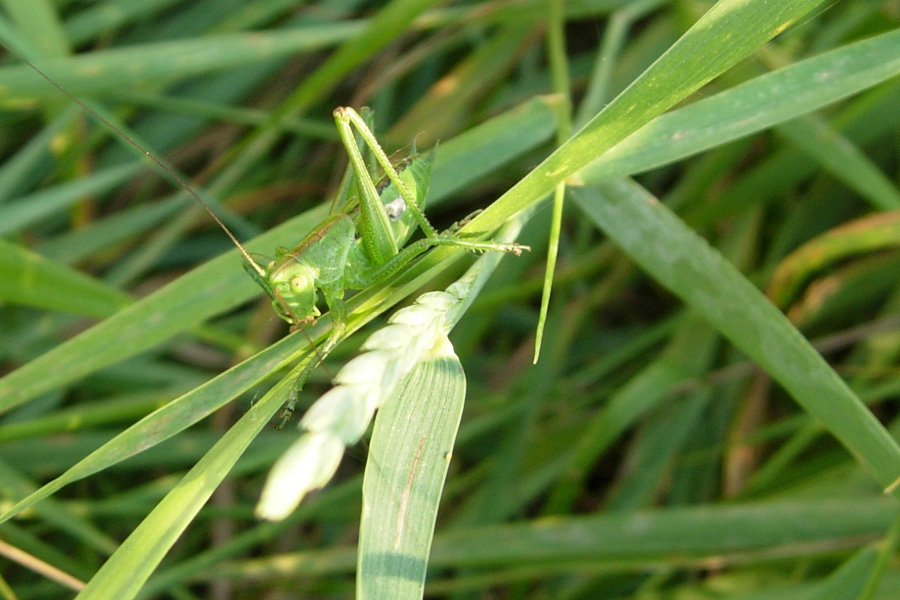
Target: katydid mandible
{"x":361,"y":243}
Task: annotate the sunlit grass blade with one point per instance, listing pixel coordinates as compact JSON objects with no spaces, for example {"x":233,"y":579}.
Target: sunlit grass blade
{"x":736,"y":28}
{"x":122,"y":576}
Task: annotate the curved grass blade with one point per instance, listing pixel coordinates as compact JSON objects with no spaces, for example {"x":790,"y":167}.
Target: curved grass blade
{"x":869,"y":234}
{"x":679,"y":259}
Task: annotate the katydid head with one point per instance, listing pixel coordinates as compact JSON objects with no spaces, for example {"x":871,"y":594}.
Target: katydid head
{"x":291,"y":286}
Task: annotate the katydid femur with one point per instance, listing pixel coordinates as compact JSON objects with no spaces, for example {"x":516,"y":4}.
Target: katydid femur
{"x":362,"y":241}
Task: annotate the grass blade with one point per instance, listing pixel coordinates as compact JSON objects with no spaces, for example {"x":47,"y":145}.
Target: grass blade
{"x":410,"y":453}
{"x":679,"y":259}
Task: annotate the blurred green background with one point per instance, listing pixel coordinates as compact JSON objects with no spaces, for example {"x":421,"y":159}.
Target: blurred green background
{"x":678,"y":437}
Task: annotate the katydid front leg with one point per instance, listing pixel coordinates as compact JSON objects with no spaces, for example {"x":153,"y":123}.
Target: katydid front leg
{"x":335,"y":302}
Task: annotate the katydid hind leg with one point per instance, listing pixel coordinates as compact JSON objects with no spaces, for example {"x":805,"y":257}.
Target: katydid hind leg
{"x":417,"y":248}
{"x":345,"y":200}
{"x":344,"y":118}
{"x":374,"y":225}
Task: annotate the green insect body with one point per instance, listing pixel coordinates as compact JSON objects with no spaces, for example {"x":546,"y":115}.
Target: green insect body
{"x":337,"y":255}
{"x":363,"y":241}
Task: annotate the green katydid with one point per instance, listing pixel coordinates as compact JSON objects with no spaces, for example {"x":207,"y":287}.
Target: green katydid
{"x":354,"y":250}
{"x":360,"y":244}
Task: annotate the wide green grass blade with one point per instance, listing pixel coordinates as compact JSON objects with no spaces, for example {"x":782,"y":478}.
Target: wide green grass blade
{"x":683,"y":262}
{"x":682,"y":534}
{"x":753,"y":106}
{"x":108,"y":70}
{"x":30,"y":279}
{"x":411,"y":447}
{"x":733,"y":534}
{"x":122,"y":576}
{"x":40,"y":22}
{"x":410,"y":452}
{"x":735,"y":28}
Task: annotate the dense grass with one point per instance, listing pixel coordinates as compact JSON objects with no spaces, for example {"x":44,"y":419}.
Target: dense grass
{"x":713,"y":413}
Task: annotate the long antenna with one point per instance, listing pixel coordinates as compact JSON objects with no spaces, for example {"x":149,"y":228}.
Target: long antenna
{"x":170,"y":171}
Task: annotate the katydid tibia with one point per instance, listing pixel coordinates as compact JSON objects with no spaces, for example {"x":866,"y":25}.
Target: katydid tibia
{"x":361,"y":243}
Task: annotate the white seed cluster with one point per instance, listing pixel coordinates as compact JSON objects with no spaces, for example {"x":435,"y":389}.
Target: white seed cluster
{"x":342,"y":415}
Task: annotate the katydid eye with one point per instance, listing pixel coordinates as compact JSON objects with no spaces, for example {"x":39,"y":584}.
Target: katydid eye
{"x":299,"y":283}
